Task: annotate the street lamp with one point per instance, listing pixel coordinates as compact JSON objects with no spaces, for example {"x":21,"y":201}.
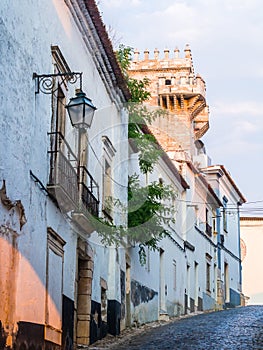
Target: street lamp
{"x":64,"y":177}
{"x":81,"y":110}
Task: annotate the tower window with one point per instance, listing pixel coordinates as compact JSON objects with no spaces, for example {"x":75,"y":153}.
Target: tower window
{"x":168,"y":82}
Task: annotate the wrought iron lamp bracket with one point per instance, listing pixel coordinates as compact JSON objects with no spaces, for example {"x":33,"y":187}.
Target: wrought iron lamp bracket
{"x":47,"y":83}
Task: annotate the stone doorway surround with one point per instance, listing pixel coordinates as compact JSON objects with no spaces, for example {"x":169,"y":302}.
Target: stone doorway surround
{"x":84,"y":275}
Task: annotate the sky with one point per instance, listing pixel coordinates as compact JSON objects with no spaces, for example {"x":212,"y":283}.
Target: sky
{"x":225,"y":37}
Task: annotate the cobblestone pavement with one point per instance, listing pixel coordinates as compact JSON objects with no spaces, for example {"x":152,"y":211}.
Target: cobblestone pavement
{"x":234,"y":329}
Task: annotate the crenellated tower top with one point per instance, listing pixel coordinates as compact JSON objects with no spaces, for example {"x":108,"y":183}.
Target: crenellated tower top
{"x":181,"y":68}
{"x":174,"y":86}
{"x":166,"y":56}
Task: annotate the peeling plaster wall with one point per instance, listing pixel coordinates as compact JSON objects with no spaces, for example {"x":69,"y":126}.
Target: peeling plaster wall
{"x":144,"y":303}
{"x":60,"y":224}
{"x":144,"y":288}
{"x":26,"y":37}
{"x":208,"y":302}
{"x":22,"y":149}
{"x":8,"y":267}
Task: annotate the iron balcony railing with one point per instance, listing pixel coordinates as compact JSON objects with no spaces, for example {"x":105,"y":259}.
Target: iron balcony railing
{"x":68,"y":180}
{"x":63,"y":165}
{"x":89,"y":192}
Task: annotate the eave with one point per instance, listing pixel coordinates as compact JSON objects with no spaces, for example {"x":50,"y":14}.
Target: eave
{"x":228,"y":176}
{"x":89,"y":22}
{"x":203,"y":180}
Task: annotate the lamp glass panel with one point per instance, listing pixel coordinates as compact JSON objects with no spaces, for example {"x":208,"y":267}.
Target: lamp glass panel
{"x":89,"y":112}
{"x":76,"y":113}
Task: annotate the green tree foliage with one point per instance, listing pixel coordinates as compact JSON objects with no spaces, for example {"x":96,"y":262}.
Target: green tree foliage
{"x":150,"y":208}
{"x":147,"y":212}
{"x":138,"y":88}
{"x":139,"y":114}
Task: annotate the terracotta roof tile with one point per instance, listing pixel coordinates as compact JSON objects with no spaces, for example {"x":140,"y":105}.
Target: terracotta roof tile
{"x":107,"y":45}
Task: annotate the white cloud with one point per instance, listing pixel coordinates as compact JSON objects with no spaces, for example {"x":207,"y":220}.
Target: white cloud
{"x":248,"y":108}
{"x":243,"y":5}
{"x":235,"y":142}
{"x":245,"y":126}
{"x":177,"y":22}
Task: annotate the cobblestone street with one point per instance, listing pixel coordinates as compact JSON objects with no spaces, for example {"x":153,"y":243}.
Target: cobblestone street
{"x":234,"y":329}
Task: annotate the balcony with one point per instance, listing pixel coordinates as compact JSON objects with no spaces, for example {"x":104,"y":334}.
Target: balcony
{"x":63,"y":180}
{"x":88,"y":206}
{"x":71,"y":186}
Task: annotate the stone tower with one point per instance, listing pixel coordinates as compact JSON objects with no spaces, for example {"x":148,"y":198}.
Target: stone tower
{"x":175,"y":88}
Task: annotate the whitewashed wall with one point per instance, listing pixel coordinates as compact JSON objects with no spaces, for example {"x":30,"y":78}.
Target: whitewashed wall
{"x":27,"y":31}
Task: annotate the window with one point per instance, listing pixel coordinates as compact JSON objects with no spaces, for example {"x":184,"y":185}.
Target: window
{"x":168,"y":82}
{"x":208,"y":278}
{"x":208,"y":228}
{"x":109,"y":152}
{"x":57,"y":144}
{"x":54,"y":285}
{"x":107,"y":189}
{"x":208,"y":272}
{"x":226,"y":282}
{"x":214,"y":222}
{"x":196,"y":282}
{"x":60,"y":102}
{"x":225,"y":214}
{"x":107,"y":179}
{"x":60,"y":89}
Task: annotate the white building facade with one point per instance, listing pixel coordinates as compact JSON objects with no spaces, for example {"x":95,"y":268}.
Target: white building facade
{"x":157,"y":286}
{"x":61,"y":286}
{"x":228,"y":236}
{"x":210,"y":268}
